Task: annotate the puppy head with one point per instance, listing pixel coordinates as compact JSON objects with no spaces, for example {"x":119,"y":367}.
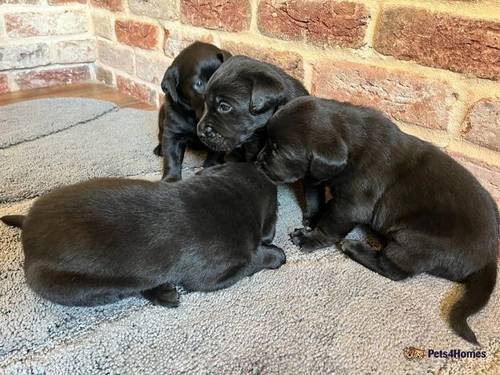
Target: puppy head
{"x":186,"y":79}
{"x":241,"y":97}
{"x":302,"y":142}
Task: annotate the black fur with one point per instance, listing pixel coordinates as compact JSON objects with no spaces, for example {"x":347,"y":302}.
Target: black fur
{"x":14,"y":220}
{"x":184,"y":84}
{"x":241,"y":97}
{"x":97,"y":241}
{"x":434,"y":215}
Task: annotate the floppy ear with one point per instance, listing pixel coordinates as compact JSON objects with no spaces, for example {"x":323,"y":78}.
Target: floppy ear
{"x":326,"y":161}
{"x":267,"y":93}
{"x":170,"y":82}
{"x":223,"y":55}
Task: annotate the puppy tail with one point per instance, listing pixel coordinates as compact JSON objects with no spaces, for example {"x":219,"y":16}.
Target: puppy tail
{"x":14,"y":220}
{"x":478,"y":288}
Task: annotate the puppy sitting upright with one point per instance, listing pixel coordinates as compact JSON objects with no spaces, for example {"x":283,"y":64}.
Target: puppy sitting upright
{"x":97,"y":241}
{"x":184,"y":84}
{"x":435,"y":216}
{"x":241,"y":96}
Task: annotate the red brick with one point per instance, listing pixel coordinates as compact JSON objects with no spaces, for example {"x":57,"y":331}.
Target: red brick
{"x":488,"y":175}
{"x":331,"y":23}
{"x":134,"y":89}
{"x":52,"y":77}
{"x":482,"y":124}
{"x":402,"y":95}
{"x":104,"y":75}
{"x":440,"y":40}
{"x":228,"y":15}
{"x":176,"y":41}
{"x":291,"y":62}
{"x":108,"y":4}
{"x":26,"y":24}
{"x":4,"y":84}
{"x":137,"y":34}
{"x":60,"y":2}
{"x":115,"y":56}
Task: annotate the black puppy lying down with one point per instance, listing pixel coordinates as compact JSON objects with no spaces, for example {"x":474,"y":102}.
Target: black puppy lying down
{"x":434,"y":215}
{"x":184,"y":84}
{"x":97,"y":241}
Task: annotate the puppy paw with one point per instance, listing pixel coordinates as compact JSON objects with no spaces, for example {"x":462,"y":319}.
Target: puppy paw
{"x":157,"y":151}
{"x":308,"y":223}
{"x":350,"y":247}
{"x":298,"y":236}
{"x":169,"y":178}
{"x":304,"y":240}
{"x":163,"y":295}
{"x":279,"y":257}
{"x":210,"y":163}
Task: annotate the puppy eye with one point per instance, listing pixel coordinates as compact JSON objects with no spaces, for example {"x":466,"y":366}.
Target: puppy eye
{"x":198,"y":84}
{"x":224,"y":107}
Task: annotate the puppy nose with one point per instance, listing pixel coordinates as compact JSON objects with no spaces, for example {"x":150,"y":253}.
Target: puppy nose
{"x":209,"y":130}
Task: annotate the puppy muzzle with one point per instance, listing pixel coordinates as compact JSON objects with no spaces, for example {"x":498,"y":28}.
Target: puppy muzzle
{"x":212,"y":139}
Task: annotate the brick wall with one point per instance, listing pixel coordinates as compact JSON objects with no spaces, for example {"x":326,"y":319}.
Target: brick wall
{"x":45,"y":43}
{"x":432,"y":65}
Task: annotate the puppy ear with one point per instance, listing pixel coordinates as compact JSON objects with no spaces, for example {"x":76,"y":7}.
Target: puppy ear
{"x":267,"y":93}
{"x":327,"y":161}
{"x":223,"y":55}
{"x":170,"y":82}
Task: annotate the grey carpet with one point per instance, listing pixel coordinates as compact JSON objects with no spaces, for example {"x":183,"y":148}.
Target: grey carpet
{"x":320,"y":313}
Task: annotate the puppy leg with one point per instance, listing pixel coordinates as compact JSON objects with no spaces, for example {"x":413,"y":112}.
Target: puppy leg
{"x":311,"y":240}
{"x":173,"y":157}
{"x":377,"y":261}
{"x":164,"y":295}
{"x":333,"y":225}
{"x":161,"y":125}
{"x":213,"y":158}
{"x":314,"y":196}
{"x":269,"y":227}
{"x":267,"y":256}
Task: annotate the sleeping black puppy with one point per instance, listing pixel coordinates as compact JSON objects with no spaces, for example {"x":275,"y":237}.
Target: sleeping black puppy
{"x":97,"y":241}
{"x":434,"y":215}
{"x":240,"y":98}
{"x":184,"y":84}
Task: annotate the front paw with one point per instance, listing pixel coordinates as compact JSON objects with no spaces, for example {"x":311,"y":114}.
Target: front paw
{"x":349,"y":247}
{"x":210,"y":163}
{"x":302,"y":238}
{"x":308,"y":223}
{"x":157,"y":150}
{"x":171,"y":178}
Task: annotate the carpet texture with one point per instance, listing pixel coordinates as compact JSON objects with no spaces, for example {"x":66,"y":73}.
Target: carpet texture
{"x":319,"y":313}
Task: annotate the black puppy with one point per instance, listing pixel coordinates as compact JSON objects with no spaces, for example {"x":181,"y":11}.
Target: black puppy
{"x":434,"y":215}
{"x":184,"y":84}
{"x":97,"y":241}
{"x":241,"y":96}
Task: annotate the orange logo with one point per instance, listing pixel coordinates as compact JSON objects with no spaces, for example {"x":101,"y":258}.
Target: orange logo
{"x":412,"y":353}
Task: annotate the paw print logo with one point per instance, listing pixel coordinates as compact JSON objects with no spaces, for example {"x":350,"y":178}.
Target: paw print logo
{"x":413,"y":353}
